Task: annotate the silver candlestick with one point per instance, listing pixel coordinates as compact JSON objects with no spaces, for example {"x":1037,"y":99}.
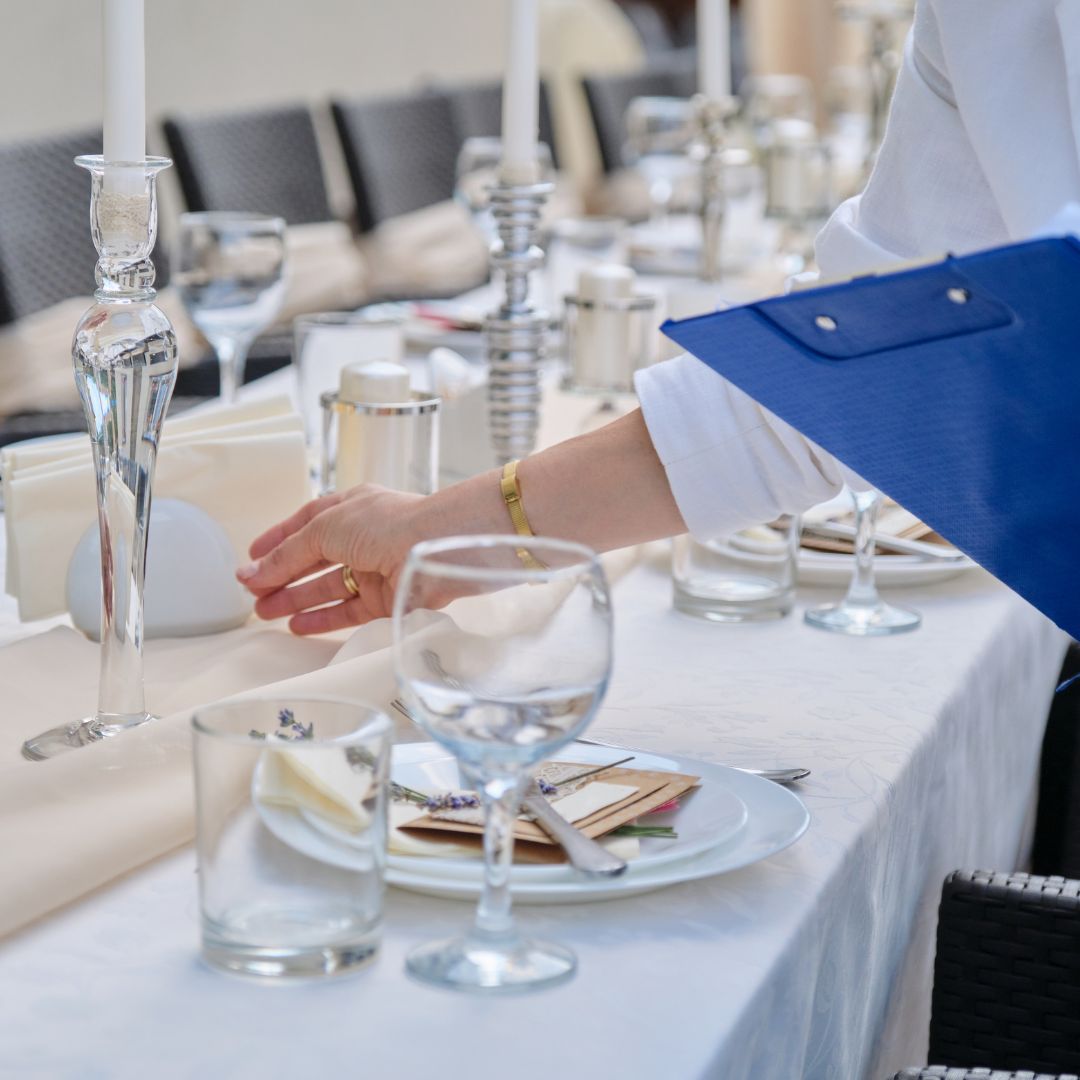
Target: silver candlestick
{"x":124,"y":354}
{"x":516,"y":331}
{"x":713,"y":120}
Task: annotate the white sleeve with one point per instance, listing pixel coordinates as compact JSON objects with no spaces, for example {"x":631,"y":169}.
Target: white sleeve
{"x":730,"y":462}
{"x":928,"y":194}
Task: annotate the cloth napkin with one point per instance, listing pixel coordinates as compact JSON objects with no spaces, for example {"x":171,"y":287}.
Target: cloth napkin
{"x":245,"y":466}
{"x":79,"y":820}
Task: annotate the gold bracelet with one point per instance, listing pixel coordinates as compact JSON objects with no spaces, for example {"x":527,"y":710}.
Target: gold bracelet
{"x":511,"y":493}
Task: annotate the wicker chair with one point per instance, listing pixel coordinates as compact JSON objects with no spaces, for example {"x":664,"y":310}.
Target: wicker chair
{"x":264,"y":161}
{"x":1006,"y":978}
{"x":46,"y":254}
{"x":609,"y":95}
{"x":476,"y":109}
{"x":400,"y":153}
{"x":1057,"y":829}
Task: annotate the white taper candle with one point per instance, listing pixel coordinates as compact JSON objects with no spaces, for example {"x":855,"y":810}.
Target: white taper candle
{"x":714,"y":48}
{"x":124,"y":57}
{"x":521,"y":95}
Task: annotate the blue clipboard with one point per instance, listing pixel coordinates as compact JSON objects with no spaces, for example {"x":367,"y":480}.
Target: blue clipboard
{"x":954,"y":388}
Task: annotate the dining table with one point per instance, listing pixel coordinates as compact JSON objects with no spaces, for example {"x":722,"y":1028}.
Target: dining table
{"x":815,"y":963}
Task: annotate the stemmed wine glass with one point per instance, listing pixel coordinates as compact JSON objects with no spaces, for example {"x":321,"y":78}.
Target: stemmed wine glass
{"x":660,"y":132}
{"x":230,"y":272}
{"x":862,"y":612}
{"x":502,"y":681}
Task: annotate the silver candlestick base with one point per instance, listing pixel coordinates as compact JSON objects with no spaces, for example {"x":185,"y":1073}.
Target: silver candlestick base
{"x":125,"y":359}
{"x":516,"y":331}
{"x":714,"y":117}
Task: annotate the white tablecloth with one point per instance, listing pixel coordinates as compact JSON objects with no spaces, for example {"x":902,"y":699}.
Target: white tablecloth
{"x":814,"y":964}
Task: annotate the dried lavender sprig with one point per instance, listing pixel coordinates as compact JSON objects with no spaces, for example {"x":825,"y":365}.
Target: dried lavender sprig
{"x":401,"y":793}
{"x":450,"y":801}
{"x":663,"y":832}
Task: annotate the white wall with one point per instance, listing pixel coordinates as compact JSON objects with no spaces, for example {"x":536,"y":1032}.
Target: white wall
{"x":207,"y":55}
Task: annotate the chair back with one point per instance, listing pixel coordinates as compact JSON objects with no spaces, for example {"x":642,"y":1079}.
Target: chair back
{"x":476,"y":109}
{"x":262,"y":161}
{"x":400,"y":153}
{"x":46,"y":253}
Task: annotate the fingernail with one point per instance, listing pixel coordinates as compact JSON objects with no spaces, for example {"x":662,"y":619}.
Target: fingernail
{"x":245,"y":573}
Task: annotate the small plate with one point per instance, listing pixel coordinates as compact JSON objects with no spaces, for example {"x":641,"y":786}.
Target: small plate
{"x":775,"y":818}
{"x":718,"y":813}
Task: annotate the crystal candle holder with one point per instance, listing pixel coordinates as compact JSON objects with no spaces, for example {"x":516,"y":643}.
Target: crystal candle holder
{"x":125,"y":358}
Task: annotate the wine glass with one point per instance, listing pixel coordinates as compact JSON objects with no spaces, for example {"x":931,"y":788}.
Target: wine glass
{"x":660,"y":132}
{"x":230,"y":272}
{"x":862,"y":612}
{"x":502,"y":681}
{"x":477,"y":172}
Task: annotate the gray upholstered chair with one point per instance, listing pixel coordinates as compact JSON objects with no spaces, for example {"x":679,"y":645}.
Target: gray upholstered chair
{"x":476,"y":109}
{"x":610,"y":95}
{"x":46,"y":254}
{"x":264,"y":161}
{"x":400,"y":153}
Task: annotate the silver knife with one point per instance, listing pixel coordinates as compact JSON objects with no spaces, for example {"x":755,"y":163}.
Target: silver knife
{"x":584,"y":853}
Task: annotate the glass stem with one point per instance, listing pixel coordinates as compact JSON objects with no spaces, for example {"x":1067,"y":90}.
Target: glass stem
{"x":232,"y":357}
{"x":501,"y":800}
{"x":863,"y":591}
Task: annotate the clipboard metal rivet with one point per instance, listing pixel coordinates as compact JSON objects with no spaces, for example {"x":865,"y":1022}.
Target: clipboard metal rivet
{"x":958,"y":295}
{"x":825,"y":322}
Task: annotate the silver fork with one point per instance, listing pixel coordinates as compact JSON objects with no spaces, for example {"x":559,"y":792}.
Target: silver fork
{"x":778,"y":776}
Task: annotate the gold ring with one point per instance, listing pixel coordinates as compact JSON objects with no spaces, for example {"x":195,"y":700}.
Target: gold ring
{"x":349,"y":581}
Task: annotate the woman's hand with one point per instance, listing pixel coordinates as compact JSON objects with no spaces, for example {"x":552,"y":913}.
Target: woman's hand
{"x":368,"y":529}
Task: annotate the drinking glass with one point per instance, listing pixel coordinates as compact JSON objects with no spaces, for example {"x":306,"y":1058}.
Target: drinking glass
{"x":502,"y":681}
{"x":744,"y":577}
{"x":290,"y":799}
{"x":660,"y":132}
{"x":862,"y":612}
{"x":230,"y":272}
{"x":326,"y":342}
{"x":477,"y":172}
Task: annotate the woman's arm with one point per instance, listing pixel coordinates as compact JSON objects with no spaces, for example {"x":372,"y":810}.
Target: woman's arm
{"x":606,"y":489}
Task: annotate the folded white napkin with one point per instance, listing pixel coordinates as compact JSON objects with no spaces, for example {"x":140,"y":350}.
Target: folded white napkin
{"x":245,"y":466}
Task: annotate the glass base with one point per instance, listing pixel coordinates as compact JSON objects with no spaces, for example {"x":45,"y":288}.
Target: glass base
{"x":736,"y":601}
{"x":93,"y":729}
{"x":876,"y":620}
{"x":488,"y":968}
{"x":290,"y":963}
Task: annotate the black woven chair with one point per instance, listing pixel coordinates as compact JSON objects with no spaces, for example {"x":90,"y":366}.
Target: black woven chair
{"x":1057,"y":829}
{"x":609,"y":95}
{"x":1006,"y":977}
{"x":264,"y":161}
{"x":46,"y":254}
{"x":400,"y":153}
{"x":476,"y":109}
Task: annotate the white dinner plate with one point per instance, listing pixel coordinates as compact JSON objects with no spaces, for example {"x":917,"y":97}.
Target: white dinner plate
{"x":775,"y":818}
{"x":719,"y":814}
{"x":891,"y":571}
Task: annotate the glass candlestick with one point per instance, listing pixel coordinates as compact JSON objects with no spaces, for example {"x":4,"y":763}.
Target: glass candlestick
{"x":124,"y":354}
